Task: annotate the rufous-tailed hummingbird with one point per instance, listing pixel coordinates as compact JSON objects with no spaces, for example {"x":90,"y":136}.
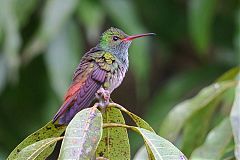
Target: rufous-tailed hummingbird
{"x":101,"y":68}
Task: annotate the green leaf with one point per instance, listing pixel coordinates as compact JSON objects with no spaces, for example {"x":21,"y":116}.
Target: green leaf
{"x":235,"y":120}
{"x":92,"y":15}
{"x":130,"y":23}
{"x":192,"y":129}
{"x":32,"y":151}
{"x":229,"y":75}
{"x":234,"y":116}
{"x":3,"y":73}
{"x":177,"y":88}
{"x":204,"y":116}
{"x":48,"y":131}
{"x":114,"y":144}
{"x":53,"y":20}
{"x":139,"y":122}
{"x":229,"y":152}
{"x":62,"y":57}
{"x":216,"y":142}
{"x":55,"y":15}
{"x":200,"y":24}
{"x":181,"y":113}
{"x":160,"y":147}
{"x":82,"y":135}
{"x":24,"y":9}
{"x":12,"y":39}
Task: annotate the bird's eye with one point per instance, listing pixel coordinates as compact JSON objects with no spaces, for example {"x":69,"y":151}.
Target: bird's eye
{"x":115,"y":38}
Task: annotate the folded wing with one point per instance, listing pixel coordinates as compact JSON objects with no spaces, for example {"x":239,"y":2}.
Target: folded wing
{"x":81,"y":92}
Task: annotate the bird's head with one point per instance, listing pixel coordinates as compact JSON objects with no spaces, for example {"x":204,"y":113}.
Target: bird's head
{"x":116,"y":41}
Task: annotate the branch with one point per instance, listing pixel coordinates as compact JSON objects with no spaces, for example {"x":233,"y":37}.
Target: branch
{"x":107,"y":125}
{"x":115,"y":105}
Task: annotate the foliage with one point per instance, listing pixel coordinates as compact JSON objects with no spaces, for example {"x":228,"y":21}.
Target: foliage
{"x":105,"y":134}
{"x":45,"y":133}
{"x":41,"y":42}
{"x":84,"y":132}
{"x":82,"y":135}
{"x":235,"y":121}
{"x":36,"y":150}
{"x":181,"y":113}
{"x":114,"y":143}
{"x":196,"y":130}
{"x":216,"y":142}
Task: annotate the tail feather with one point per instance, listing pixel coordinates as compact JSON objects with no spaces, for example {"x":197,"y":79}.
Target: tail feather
{"x":63,"y":108}
{"x":79,"y":104}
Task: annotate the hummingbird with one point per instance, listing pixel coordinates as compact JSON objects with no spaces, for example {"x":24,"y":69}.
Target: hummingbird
{"x":102,"y":68}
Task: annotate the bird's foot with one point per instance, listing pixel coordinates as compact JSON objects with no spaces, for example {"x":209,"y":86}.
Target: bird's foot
{"x":103,"y":97}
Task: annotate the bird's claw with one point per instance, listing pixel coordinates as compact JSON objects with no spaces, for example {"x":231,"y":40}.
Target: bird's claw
{"x":103,"y":97}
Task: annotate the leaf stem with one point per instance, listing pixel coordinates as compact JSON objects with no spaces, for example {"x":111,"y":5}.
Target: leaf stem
{"x":107,"y":125}
{"x":115,"y":105}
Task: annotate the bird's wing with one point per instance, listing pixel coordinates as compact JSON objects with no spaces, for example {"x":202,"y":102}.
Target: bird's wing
{"x":87,"y":79}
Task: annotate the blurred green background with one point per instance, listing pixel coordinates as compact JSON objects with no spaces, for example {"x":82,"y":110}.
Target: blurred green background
{"x":42,"y":41}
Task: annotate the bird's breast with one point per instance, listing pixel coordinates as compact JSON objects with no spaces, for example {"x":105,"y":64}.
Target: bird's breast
{"x":115,"y":77}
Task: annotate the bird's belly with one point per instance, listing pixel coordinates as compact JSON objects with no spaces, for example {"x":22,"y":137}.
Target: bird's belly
{"x":115,"y":79}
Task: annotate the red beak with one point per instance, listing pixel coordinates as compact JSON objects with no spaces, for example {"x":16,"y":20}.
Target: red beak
{"x":129,"y":38}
